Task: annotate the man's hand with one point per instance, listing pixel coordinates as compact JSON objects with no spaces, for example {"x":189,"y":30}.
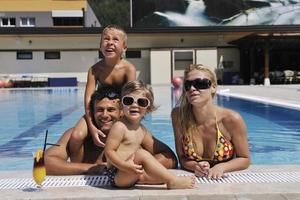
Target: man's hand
{"x":96,"y":169}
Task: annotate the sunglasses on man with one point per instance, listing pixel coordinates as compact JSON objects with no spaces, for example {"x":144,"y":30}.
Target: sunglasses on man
{"x":129,"y":100}
{"x":110,"y":95}
{"x":198,"y":83}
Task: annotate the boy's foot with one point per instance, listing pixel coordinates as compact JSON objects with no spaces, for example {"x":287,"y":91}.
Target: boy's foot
{"x":187,"y":182}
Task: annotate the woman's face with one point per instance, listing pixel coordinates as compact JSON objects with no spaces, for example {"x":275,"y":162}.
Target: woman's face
{"x":198,"y":87}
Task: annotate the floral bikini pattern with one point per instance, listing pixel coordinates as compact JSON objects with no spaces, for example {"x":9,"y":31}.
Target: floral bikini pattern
{"x":224,"y":149}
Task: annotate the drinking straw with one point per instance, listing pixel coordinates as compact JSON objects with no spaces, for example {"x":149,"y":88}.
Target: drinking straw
{"x":46,"y":143}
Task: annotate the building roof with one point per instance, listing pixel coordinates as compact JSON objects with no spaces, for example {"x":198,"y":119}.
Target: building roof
{"x":41,"y":5}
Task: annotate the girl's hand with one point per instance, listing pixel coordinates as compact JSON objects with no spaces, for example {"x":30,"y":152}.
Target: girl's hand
{"x":202,"y":169}
{"x":96,"y":134}
{"x":134,"y":168}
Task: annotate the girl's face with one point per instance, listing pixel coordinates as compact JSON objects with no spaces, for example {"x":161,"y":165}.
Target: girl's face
{"x":198,"y":87}
{"x":135,"y":106}
{"x":112,"y":43}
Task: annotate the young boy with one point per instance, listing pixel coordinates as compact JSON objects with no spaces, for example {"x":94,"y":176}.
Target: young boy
{"x":112,"y":70}
{"x":127,"y":161}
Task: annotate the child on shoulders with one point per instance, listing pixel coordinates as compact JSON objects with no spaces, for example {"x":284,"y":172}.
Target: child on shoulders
{"x":112,"y":70}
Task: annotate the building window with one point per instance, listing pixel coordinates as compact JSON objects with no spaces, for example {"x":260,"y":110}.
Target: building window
{"x":24,"y":55}
{"x":182,"y":59}
{"x":6,"y":22}
{"x":133,"y":54}
{"x":67,"y":21}
{"x":52,"y":55}
{"x":27,"y":21}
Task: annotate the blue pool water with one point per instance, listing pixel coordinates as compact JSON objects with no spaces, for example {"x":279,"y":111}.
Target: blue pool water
{"x":273,"y":132}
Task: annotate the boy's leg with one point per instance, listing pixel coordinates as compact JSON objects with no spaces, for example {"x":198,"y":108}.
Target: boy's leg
{"x":78,"y":135}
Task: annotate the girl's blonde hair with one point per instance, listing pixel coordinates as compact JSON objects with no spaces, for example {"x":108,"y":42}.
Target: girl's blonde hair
{"x":139,"y":86}
{"x":186,"y":116}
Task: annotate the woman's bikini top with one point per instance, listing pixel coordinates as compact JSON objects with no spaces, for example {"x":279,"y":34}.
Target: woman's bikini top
{"x":224,"y":149}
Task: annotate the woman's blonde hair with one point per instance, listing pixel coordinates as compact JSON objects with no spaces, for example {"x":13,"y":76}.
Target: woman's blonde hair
{"x":186,"y":116}
{"x":139,"y":86}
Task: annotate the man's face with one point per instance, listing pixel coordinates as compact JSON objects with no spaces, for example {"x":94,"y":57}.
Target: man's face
{"x":106,"y":112}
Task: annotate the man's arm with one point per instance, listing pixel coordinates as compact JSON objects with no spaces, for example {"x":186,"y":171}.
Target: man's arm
{"x":56,"y":160}
{"x":162,"y":152}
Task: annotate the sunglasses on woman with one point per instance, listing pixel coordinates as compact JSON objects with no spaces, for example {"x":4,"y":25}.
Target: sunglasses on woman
{"x":198,"y":83}
{"x":129,"y":100}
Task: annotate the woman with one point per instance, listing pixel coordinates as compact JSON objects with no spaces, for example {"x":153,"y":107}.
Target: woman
{"x":210,"y":140}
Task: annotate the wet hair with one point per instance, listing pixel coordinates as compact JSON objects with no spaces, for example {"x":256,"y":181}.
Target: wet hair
{"x":119,"y":28}
{"x":139,"y":86}
{"x":101,"y":93}
{"x":186,"y":116}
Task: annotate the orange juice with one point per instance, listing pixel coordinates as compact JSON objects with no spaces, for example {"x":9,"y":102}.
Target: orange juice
{"x":39,"y":170}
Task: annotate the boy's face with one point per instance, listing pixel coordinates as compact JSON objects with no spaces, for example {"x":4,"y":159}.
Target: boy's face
{"x":106,"y":112}
{"x":112,"y":43}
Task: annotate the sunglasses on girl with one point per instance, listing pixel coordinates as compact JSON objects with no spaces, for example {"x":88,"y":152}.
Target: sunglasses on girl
{"x":129,"y":100}
{"x":198,"y":83}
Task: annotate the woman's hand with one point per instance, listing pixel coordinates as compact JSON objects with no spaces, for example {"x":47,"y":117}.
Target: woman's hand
{"x":216,"y":172}
{"x":202,"y":169}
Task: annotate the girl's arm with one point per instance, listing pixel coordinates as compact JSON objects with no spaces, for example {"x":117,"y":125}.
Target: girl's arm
{"x":185,"y":163}
{"x":90,"y":88}
{"x":235,"y":125}
{"x":114,"y":139}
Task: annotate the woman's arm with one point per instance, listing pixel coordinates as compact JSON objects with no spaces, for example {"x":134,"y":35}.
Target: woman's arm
{"x":185,"y":163}
{"x":235,"y":125}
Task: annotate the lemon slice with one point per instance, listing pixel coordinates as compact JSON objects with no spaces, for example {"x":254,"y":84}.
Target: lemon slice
{"x":38,"y":155}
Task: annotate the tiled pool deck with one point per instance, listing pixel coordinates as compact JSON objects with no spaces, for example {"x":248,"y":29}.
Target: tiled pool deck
{"x":288,"y":95}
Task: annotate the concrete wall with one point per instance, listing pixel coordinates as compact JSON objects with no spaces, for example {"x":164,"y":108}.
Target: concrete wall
{"x":76,"y":62}
{"x":90,"y":17}
{"x":160,"y":66}
{"x":142,"y":66}
{"x":207,"y":57}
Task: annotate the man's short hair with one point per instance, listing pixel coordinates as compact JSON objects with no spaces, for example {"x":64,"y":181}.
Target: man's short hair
{"x":101,"y":93}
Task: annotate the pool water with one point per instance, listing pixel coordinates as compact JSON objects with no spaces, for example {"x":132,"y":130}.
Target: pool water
{"x":25,"y":115}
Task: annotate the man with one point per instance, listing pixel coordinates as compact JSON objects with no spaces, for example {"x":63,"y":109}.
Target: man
{"x":105,"y":110}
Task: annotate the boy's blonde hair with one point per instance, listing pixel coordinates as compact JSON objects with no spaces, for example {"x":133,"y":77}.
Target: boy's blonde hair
{"x":186,"y":116}
{"x":139,"y":86}
{"x":117,"y":28}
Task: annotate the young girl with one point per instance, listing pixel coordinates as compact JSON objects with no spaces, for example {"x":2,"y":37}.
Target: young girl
{"x":112,"y":70}
{"x":210,"y":140}
{"x":127,"y":160}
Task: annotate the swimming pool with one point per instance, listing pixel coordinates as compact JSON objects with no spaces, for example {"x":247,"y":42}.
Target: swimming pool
{"x":273,"y":132}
